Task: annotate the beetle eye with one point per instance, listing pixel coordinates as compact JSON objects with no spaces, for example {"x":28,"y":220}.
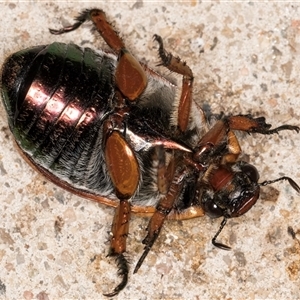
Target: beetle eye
{"x":250,"y":171}
{"x":245,"y":202}
{"x":213,"y":210}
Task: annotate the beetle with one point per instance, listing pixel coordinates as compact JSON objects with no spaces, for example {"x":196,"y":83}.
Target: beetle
{"x":110,"y":129}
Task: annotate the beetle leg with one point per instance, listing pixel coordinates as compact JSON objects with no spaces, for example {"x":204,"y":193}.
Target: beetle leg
{"x":293,"y":184}
{"x":234,"y":149}
{"x":174,"y":64}
{"x":123,"y":170}
{"x":98,"y":17}
{"x":218,"y":143}
{"x":120,"y":229}
{"x":249,"y":124}
{"x":122,"y":165}
{"x":130,"y":76}
{"x":163,"y":208}
{"x":221,"y":136}
{"x":191,"y":212}
{"x":164,"y":173}
{"x":243,"y":123}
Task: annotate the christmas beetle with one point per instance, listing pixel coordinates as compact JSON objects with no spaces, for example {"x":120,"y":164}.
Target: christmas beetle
{"x":109,"y":128}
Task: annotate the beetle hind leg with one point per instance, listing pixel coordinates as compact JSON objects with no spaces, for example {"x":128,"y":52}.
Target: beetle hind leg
{"x":122,"y":264}
{"x":130,"y":77}
{"x":123,"y":169}
{"x":175,"y":64}
{"x":120,"y":229}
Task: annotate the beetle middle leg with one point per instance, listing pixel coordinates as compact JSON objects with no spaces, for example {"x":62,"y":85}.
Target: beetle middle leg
{"x":123,"y":169}
{"x":156,"y":222}
{"x":120,"y":229}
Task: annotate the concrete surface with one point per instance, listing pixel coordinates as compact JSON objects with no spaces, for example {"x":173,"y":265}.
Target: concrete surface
{"x":250,"y":64}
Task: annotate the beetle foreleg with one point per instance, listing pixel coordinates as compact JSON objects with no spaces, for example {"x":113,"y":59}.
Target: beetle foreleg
{"x":163,"y":208}
{"x":165,"y":172}
{"x":234,"y":149}
{"x":174,"y":64}
{"x":219,"y":143}
{"x":294,"y":185}
{"x":120,"y":229}
{"x":249,"y":124}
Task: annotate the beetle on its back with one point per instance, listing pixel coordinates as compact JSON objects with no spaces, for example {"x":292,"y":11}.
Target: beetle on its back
{"x":109,"y":128}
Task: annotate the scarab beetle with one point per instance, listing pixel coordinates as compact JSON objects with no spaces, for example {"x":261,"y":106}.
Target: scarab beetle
{"x":109,"y":128}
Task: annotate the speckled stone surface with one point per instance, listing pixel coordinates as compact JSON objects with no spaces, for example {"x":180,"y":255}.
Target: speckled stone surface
{"x":53,"y":244}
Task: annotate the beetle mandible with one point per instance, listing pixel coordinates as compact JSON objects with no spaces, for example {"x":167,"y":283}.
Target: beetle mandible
{"x":109,"y":128}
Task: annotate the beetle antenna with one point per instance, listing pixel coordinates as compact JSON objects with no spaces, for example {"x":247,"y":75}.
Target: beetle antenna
{"x":294,"y":185}
{"x":217,"y":244}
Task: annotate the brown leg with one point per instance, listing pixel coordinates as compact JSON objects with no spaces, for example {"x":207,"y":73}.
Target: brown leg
{"x":120,"y":229}
{"x":130,"y":76}
{"x":221,"y":134}
{"x":234,"y":149}
{"x":249,"y":124}
{"x":165,"y":173}
{"x":174,"y":64}
{"x":186,"y":214}
{"x":163,"y":208}
{"x":122,"y":165}
{"x":123,"y":169}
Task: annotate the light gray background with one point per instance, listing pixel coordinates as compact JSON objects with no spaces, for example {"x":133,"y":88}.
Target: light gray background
{"x":254,"y":68}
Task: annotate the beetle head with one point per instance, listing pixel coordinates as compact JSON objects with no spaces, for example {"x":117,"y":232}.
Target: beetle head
{"x":232,"y":190}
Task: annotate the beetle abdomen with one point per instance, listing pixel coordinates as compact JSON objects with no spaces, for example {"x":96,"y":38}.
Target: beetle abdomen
{"x":56,"y":99}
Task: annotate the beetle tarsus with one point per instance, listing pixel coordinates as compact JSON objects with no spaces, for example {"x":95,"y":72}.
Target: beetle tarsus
{"x":264,"y":128}
{"x":165,"y":56}
{"x":122,"y":272}
{"x":83,"y":17}
{"x":255,"y":125}
{"x":277,"y":129}
{"x":65,"y":29}
{"x":155,"y":222}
